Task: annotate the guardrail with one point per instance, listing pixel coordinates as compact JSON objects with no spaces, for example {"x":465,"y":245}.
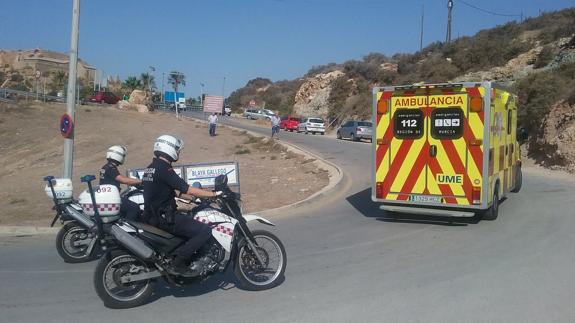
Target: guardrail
{"x":10,"y":95}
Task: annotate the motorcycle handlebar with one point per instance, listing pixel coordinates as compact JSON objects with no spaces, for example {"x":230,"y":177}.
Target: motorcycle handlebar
{"x":87,"y":178}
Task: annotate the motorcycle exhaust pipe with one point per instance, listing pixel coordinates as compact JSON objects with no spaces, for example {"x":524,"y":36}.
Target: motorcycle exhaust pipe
{"x":137,"y":246}
{"x":82,"y":218}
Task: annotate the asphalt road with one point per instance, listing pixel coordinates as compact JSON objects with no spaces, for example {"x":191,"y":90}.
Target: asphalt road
{"x":347,"y":262}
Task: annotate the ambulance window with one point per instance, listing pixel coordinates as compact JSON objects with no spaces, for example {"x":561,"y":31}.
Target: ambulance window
{"x":447,"y":123}
{"x":408,"y":124}
{"x":509,"y":119}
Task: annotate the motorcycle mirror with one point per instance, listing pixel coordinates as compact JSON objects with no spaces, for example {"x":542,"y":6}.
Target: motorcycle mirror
{"x":221,"y":182}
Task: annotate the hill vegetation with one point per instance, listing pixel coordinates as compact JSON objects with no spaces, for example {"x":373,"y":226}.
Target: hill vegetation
{"x":536,"y":58}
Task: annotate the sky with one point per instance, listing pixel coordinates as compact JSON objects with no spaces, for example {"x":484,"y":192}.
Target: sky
{"x":225,"y":43}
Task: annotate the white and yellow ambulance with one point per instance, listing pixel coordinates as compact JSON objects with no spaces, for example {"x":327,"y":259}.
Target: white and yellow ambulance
{"x":445,"y":149}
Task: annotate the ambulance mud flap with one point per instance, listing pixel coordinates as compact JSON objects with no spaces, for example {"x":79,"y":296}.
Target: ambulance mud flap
{"x":426,"y":211}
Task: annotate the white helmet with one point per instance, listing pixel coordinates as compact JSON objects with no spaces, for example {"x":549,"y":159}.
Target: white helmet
{"x":117,"y":153}
{"x":169,"y":145}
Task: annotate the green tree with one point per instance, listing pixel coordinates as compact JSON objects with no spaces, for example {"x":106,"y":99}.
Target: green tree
{"x":176,"y":79}
{"x":132,"y":83}
{"x":58,"y":80}
{"x":147,"y":81}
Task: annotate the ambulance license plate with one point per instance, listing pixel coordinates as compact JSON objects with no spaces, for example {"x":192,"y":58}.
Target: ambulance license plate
{"x":425,"y":199}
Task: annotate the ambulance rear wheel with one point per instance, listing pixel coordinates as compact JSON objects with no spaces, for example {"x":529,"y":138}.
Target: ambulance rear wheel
{"x":492,"y":212}
{"x":518,"y":181}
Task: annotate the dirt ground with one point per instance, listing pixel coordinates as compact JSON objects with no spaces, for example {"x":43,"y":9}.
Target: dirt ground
{"x":31,"y":147}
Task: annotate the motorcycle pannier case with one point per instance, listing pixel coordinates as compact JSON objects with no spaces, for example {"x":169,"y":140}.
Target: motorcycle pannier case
{"x":63,"y":189}
{"x":108,"y":202}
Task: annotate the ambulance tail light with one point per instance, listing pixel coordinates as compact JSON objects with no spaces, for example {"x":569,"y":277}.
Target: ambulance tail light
{"x":382,"y":106}
{"x":476,"y":104}
{"x":476,"y":195}
{"x":383,"y":141}
{"x":379,"y":190}
{"x":475,"y":142}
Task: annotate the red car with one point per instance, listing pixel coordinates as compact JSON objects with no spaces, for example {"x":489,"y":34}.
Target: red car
{"x":104,"y":97}
{"x":289,"y":123}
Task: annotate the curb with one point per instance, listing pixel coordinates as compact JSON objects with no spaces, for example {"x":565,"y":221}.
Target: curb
{"x":335,"y":177}
{"x":335,"y":173}
{"x":11,"y":231}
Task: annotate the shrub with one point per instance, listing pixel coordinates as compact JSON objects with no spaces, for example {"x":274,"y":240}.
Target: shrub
{"x":545,"y":57}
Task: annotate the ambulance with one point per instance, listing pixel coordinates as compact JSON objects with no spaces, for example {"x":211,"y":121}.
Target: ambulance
{"x":445,"y":149}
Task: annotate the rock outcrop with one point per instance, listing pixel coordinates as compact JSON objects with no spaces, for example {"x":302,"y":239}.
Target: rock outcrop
{"x":139,"y":97}
{"x":126,"y":105}
{"x":559,"y":132}
{"x":311,"y":98}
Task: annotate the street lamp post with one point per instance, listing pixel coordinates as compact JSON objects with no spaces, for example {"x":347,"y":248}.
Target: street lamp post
{"x":163,"y":98}
{"x":152,"y":70}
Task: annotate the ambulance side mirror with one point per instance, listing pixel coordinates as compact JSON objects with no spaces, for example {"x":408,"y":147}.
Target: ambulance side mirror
{"x":522,"y":135}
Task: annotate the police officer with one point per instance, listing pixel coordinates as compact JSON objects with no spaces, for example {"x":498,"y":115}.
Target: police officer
{"x":109,"y":174}
{"x":161,"y":186}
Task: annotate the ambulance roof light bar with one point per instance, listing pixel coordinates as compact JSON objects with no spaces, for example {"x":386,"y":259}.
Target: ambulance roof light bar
{"x":428,"y":86}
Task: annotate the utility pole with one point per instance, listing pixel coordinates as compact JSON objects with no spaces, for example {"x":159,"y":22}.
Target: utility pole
{"x":449,"y":9}
{"x":224,"y":88}
{"x":421,"y":33}
{"x":202,"y":95}
{"x":163,"y":98}
{"x":71,"y":97}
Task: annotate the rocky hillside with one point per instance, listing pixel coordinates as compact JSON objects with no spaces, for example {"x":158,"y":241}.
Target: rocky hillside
{"x":536,"y":58}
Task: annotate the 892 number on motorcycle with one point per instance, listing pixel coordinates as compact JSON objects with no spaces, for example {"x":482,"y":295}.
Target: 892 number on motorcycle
{"x":107,"y":189}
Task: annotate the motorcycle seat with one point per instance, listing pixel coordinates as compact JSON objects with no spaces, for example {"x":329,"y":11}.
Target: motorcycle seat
{"x":151,"y":229}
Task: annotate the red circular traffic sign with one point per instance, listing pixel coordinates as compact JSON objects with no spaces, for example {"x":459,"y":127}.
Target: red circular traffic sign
{"x":252,"y":103}
{"x":66,"y":126}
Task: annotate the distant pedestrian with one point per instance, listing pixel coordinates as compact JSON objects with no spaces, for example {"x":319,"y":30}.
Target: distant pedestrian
{"x":213,"y":120}
{"x":275,"y":119}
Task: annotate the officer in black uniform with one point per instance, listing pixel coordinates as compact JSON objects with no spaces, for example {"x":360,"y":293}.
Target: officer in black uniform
{"x":110,"y":175}
{"x":161,"y":186}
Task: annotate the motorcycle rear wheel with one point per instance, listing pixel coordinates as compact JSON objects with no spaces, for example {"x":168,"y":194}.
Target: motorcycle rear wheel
{"x":111,"y":290}
{"x":67,"y":236}
{"x":254,"y":276}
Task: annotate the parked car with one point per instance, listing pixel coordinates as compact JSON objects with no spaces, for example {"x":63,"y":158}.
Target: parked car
{"x":289,"y":123}
{"x":254,"y":114}
{"x":268,"y":114}
{"x":355,"y":130}
{"x":313,"y":125}
{"x":104,"y":97}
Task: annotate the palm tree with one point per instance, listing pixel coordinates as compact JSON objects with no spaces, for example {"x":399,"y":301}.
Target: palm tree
{"x":59,"y":79}
{"x":176,"y":79}
{"x":148,"y":81}
{"x":132,"y":83}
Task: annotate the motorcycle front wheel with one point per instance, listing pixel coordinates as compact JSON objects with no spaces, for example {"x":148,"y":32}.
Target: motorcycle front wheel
{"x":255,"y":276}
{"x":109,"y":285}
{"x":73,"y":242}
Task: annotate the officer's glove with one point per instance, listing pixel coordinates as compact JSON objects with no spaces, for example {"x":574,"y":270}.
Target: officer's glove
{"x":219,"y":194}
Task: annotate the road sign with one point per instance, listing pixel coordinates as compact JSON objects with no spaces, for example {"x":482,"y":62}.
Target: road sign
{"x":213,"y":104}
{"x":38,"y":74}
{"x":206,"y":174}
{"x":252,"y":103}
{"x":66,"y":126}
{"x":169,"y":96}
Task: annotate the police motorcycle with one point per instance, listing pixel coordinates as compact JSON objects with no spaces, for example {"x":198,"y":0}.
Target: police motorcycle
{"x":138,"y":255}
{"x":76,"y":241}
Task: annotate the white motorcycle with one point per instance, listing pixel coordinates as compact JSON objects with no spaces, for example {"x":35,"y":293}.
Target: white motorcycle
{"x":76,"y":241}
{"x":137,"y":254}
